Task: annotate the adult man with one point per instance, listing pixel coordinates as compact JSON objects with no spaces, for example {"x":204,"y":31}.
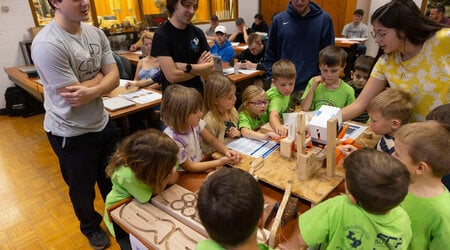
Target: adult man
{"x":259,"y":25}
{"x":222,"y":47}
{"x":209,"y":32}
{"x":437,"y":13}
{"x":242,"y":32}
{"x":298,"y":34}
{"x":75,"y":63}
{"x":181,"y":48}
{"x":253,"y":58}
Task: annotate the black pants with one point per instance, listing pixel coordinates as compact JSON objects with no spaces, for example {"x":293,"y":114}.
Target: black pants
{"x":82,"y":161}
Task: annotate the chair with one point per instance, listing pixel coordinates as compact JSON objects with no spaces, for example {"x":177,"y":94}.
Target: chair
{"x":127,"y":67}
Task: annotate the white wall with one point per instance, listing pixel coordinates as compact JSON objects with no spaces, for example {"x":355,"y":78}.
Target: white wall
{"x":13,"y":29}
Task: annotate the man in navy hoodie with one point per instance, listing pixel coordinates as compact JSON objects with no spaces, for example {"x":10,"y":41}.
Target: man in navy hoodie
{"x":298,"y":34}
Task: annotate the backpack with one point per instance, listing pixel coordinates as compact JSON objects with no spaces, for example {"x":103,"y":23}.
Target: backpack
{"x":15,"y":98}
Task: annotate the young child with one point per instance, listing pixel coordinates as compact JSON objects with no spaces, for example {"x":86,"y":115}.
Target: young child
{"x":421,"y":148}
{"x":221,"y":116}
{"x":388,"y":111}
{"x":328,"y":88}
{"x":181,"y":111}
{"x":360,"y":75}
{"x":441,"y":114}
{"x":283,"y":83}
{"x":230,"y":204}
{"x":368,"y":217}
{"x":144,"y":164}
{"x":253,"y":113}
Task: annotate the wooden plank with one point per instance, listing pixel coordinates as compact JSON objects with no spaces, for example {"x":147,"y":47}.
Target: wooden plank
{"x":155,"y":228}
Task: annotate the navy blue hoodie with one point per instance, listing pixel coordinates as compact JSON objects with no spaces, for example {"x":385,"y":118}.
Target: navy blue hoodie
{"x":299,"y":39}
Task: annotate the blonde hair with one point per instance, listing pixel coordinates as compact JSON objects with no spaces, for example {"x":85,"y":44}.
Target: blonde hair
{"x":427,"y":142}
{"x":392,"y":104}
{"x":283,"y":68}
{"x":218,"y":86}
{"x":251,"y":93}
{"x":150,"y":154}
{"x":178,"y":102}
{"x":146,"y":35}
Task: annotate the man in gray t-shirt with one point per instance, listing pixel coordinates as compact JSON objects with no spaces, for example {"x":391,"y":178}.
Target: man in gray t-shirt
{"x":76,"y":66}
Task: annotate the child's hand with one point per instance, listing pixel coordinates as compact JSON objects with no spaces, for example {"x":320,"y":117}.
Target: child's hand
{"x":317,"y":79}
{"x":281,"y":131}
{"x":272,"y":136}
{"x":233,"y":156}
{"x":347,"y":149}
{"x":233,"y":132}
{"x":130,"y":84}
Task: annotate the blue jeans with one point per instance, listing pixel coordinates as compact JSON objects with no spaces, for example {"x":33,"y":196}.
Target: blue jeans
{"x":82,"y":160}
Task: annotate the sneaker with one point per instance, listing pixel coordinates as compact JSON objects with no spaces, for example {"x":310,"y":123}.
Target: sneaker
{"x":98,"y":240}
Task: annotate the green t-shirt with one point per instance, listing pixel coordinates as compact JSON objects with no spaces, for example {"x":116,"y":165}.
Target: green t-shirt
{"x":339,"y":224}
{"x":246,"y":121}
{"x":278,"y":101}
{"x":430,"y":220}
{"x":209,"y":244}
{"x":124,"y":185}
{"x":340,"y":97}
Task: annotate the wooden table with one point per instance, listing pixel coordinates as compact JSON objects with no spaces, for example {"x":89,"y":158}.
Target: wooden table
{"x":133,"y":57}
{"x":346,"y":42}
{"x":30,"y":85}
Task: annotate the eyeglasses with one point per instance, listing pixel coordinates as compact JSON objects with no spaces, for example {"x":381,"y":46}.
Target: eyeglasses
{"x":260,"y":104}
{"x":380,"y":34}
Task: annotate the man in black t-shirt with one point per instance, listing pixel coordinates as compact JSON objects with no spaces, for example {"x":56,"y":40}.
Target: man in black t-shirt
{"x":181,"y":48}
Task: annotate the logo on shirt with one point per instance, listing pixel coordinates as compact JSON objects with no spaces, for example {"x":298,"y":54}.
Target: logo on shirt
{"x":195,"y":44}
{"x":284,"y":23}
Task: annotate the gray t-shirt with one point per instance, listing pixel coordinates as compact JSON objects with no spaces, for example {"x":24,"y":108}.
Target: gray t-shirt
{"x":359,"y":31}
{"x":62,"y":59}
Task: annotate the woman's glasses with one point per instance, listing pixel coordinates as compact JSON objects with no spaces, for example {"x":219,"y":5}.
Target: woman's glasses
{"x":260,"y":104}
{"x":378,"y":35}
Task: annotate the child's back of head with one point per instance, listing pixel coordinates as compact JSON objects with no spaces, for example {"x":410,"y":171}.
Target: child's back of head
{"x":427,"y":142}
{"x":376,"y":180}
{"x":178,"y":102}
{"x":440,"y":114}
{"x":283,"y":69}
{"x":332,"y":56}
{"x":364,"y":64}
{"x":230,"y":203}
{"x":392,"y":104}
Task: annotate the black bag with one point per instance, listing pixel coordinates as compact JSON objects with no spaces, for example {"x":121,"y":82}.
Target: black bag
{"x":16,"y":103}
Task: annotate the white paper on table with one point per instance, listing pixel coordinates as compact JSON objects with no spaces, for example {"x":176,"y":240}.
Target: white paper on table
{"x":255,"y":148}
{"x":242,"y":47}
{"x":123,"y":82}
{"x":234,"y":43}
{"x":247,"y":71}
{"x":142,"y":96}
{"x":137,"y":52}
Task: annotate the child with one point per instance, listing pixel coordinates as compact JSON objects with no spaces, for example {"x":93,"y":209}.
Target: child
{"x":421,"y":148}
{"x":368,"y":217}
{"x":230,"y":204}
{"x":328,"y":88}
{"x":360,"y":75}
{"x":221,"y":116}
{"x":441,"y":114}
{"x":283,"y":83}
{"x":143,"y":165}
{"x":181,"y":111}
{"x":253,"y":113}
{"x":388,"y":111}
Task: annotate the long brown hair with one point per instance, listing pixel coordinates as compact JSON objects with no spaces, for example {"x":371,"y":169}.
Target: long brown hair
{"x":149,"y":153}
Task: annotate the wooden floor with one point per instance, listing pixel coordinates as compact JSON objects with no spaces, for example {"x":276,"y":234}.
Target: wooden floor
{"x":35,"y":210}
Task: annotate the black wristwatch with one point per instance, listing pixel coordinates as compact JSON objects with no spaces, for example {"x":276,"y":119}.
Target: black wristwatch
{"x":188,"y":68}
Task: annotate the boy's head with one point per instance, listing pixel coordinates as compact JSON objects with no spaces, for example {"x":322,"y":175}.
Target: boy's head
{"x":230,"y":203}
{"x":389,"y":110}
{"x":375,"y":180}
{"x":240,"y":23}
{"x":221,"y":34}
{"x":255,"y":45}
{"x":358,"y":15}
{"x":423,"y":147}
{"x":332,"y":61}
{"x":440,"y":114}
{"x":361,"y":70}
{"x":283,"y":76}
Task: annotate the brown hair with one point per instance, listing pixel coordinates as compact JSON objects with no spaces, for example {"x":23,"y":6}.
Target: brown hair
{"x":364,"y":63}
{"x":150,"y":154}
{"x":251,"y":93}
{"x":178,"y":102}
{"x":253,"y":38}
{"x":283,"y":68}
{"x":427,"y":142}
{"x":377,"y":181}
{"x":170,"y":5}
{"x":441,"y":114}
{"x":392,"y":104}
{"x":218,"y":86}
{"x":332,"y":56}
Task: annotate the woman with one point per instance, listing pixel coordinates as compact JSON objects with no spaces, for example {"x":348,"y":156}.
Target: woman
{"x":147,"y":71}
{"x":416,"y":59}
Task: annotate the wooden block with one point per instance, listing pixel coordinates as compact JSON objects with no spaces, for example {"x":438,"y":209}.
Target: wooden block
{"x":277,"y":221}
{"x":255,"y":165}
{"x":308,"y":164}
{"x":286,"y":147}
{"x":331,"y":146}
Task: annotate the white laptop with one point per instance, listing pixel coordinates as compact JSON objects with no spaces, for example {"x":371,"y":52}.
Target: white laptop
{"x":116,"y":103}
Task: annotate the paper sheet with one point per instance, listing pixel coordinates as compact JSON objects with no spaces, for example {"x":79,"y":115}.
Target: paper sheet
{"x":142,"y":96}
{"x":255,"y":148}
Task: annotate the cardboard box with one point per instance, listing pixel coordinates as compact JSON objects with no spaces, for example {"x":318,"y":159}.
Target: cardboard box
{"x":318,"y":124}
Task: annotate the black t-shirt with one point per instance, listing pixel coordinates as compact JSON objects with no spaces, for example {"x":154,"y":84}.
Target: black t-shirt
{"x":183,"y":46}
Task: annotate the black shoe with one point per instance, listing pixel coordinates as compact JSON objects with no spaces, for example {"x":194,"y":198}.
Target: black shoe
{"x":98,"y":240}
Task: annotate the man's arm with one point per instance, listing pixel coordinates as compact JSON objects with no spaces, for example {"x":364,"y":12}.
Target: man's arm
{"x":174,"y":71}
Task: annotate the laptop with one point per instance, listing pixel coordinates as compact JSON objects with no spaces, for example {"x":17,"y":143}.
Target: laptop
{"x":28,"y":69}
{"x":116,"y":103}
{"x":219,"y":68}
